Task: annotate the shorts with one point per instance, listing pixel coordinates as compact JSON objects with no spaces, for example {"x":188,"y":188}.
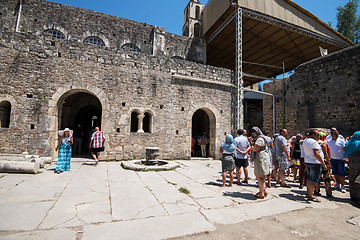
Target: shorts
{"x":283,"y":163}
{"x":241,"y":162}
{"x":96,"y":150}
{"x":274,"y":160}
{"x":338,"y":167}
{"x":313,"y":172}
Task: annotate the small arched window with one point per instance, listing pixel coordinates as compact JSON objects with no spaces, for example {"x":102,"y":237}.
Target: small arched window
{"x":94,"y":40}
{"x":147,"y":122}
{"x":134,"y":124}
{"x":197,"y":13}
{"x":55,"y":34}
{"x":197,"y":30}
{"x":177,"y":58}
{"x":5,"y":111}
{"x":131,"y":47}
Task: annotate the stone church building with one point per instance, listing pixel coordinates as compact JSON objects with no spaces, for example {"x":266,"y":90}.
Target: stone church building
{"x":62,"y":66}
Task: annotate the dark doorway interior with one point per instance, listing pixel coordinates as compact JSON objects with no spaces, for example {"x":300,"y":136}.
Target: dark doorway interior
{"x":200,"y":125}
{"x":80,"y":112}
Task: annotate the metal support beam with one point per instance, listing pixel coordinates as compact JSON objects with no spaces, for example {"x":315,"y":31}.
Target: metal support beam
{"x":239,"y":70}
{"x":222,"y":26}
{"x":276,"y":22}
{"x":18,"y":17}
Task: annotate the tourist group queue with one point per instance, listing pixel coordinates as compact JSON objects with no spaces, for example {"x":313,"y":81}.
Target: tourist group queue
{"x":312,"y":158}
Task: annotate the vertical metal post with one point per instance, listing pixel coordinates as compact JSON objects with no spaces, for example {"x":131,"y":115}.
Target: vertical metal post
{"x":18,"y":17}
{"x":274,"y":115}
{"x":239,"y":70}
{"x":283,"y":107}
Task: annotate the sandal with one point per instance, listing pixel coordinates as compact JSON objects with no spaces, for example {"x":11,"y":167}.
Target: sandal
{"x":313,"y":199}
{"x":258,"y":196}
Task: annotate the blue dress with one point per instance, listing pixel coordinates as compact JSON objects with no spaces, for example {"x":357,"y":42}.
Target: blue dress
{"x":64,"y":157}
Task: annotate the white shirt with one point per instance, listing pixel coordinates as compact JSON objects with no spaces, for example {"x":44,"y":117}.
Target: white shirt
{"x":309,"y":145}
{"x":260,"y":142}
{"x":242,"y":143}
{"x":302,"y":149}
{"x":336,"y":148}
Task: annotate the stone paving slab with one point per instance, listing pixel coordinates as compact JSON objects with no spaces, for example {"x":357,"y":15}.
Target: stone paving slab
{"x":133,"y":201}
{"x":56,"y":234}
{"x":23,"y":216}
{"x":150,"y":228}
{"x":107,"y":201}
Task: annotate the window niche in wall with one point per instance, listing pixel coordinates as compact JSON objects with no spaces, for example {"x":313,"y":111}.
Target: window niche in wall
{"x":147,"y":126}
{"x":130,"y":47}
{"x":55,"y":34}
{"x":134,"y":125}
{"x":5,"y":111}
{"x":95,"y":41}
{"x":141,"y":123}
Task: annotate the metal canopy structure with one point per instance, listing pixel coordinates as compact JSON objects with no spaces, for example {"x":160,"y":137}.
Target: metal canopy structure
{"x":258,"y":38}
{"x":275,"y":33}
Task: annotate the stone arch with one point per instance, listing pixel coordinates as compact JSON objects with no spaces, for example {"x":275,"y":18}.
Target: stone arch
{"x":197,"y":12}
{"x":213,"y":116}
{"x":13,"y":104}
{"x":57,"y":28}
{"x":134,"y":122}
{"x":197,"y":30}
{"x":144,"y":117}
{"x":131,"y":47}
{"x":63,"y":93}
{"x":89,"y":34}
{"x":148,"y":121}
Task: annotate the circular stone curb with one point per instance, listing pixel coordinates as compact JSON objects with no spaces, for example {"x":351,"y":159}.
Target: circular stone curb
{"x":134,"y":165}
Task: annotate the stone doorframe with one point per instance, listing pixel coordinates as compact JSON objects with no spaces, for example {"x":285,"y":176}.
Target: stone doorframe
{"x":53,"y":110}
{"x":214,"y":116}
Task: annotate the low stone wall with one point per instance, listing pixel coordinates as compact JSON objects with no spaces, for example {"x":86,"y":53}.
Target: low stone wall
{"x":321,"y":93}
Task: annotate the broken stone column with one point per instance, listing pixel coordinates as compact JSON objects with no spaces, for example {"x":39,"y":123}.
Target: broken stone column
{"x":19,"y":167}
{"x":40,"y":161}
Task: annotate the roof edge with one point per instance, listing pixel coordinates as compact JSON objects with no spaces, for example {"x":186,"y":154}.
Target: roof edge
{"x":313,"y":16}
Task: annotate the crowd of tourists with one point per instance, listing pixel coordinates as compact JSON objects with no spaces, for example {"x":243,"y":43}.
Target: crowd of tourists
{"x":313,"y":159}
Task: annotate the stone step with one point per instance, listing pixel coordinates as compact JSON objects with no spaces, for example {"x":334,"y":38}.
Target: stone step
{"x":201,"y":158}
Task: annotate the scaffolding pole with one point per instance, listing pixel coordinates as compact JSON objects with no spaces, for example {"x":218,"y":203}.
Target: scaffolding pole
{"x":239,"y":70}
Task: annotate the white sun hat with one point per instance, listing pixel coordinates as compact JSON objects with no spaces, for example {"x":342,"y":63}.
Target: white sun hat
{"x":61,"y":132}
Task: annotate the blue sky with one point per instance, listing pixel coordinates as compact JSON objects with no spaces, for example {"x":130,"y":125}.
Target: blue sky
{"x":170,"y":13}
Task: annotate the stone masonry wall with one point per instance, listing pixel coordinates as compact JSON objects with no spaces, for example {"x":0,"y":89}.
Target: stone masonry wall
{"x":321,"y":93}
{"x":77,"y":24}
{"x":47,"y":69}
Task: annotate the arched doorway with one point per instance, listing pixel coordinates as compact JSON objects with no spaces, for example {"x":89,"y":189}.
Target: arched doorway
{"x":81,"y":112}
{"x":203,"y":123}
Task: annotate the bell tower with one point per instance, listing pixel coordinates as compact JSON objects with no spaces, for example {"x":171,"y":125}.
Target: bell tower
{"x":193,"y":19}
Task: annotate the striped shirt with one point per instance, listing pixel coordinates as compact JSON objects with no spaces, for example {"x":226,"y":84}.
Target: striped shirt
{"x":97,"y":139}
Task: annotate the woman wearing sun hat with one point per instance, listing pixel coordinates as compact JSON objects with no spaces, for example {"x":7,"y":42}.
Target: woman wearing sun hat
{"x":64,"y":146}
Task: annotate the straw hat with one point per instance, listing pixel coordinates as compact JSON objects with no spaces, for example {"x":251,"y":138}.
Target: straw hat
{"x":61,"y":132}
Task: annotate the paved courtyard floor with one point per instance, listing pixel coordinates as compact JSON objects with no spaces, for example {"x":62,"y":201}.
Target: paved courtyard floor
{"x":105,"y":201}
